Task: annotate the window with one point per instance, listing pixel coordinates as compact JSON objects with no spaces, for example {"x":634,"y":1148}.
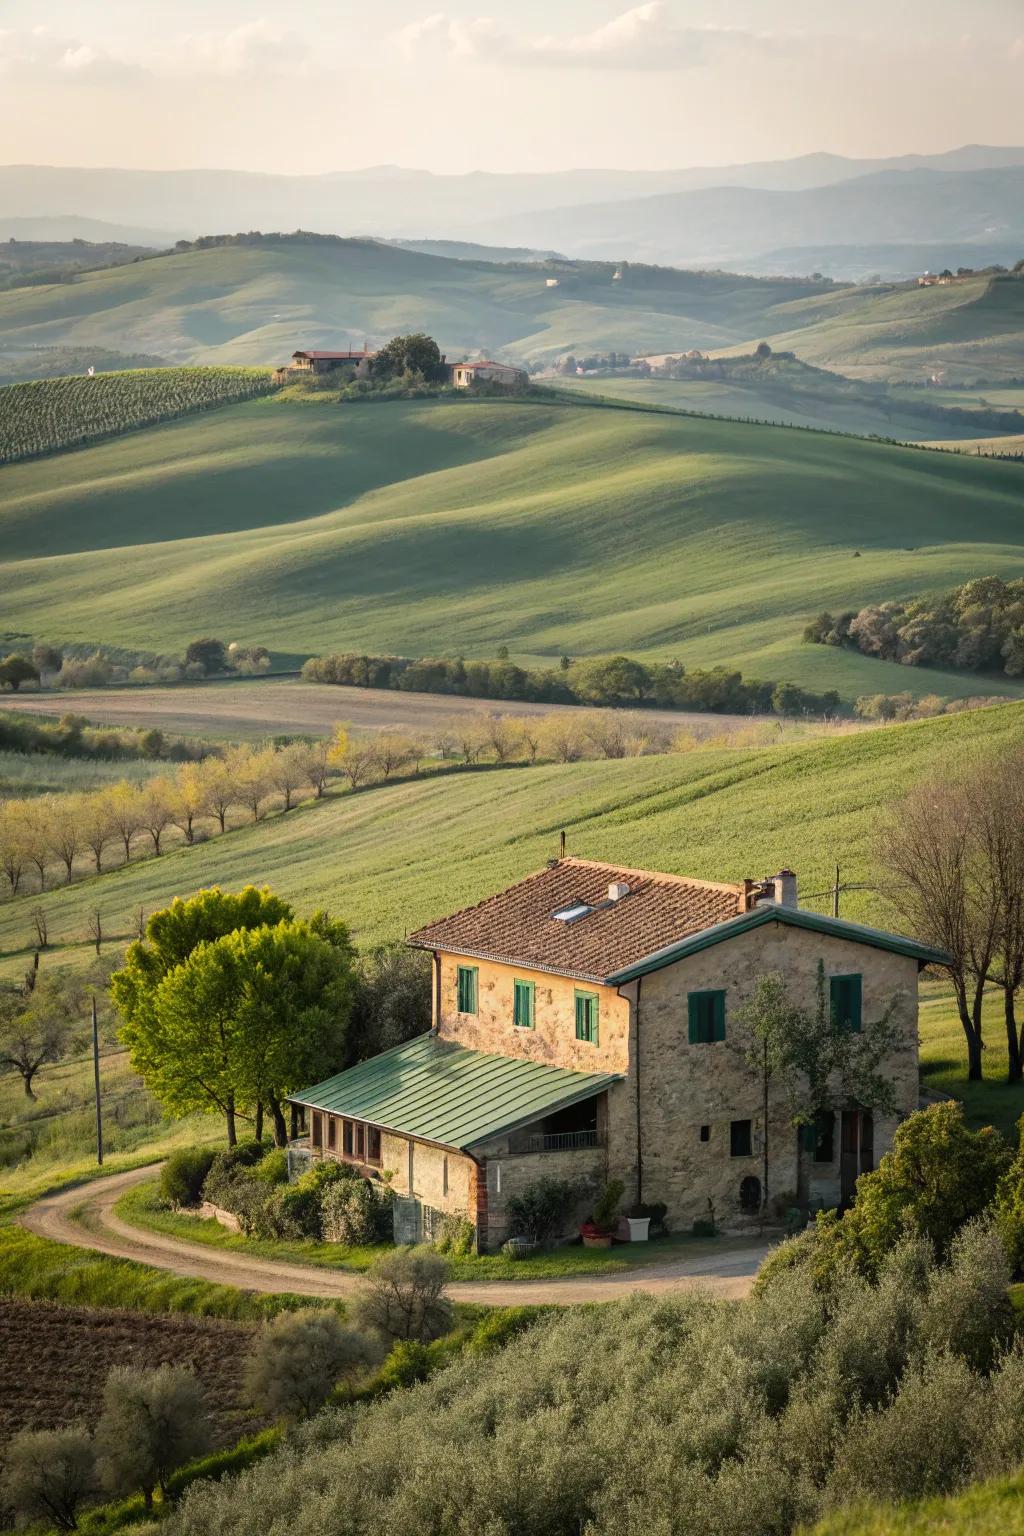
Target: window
{"x":316,"y":1129}
{"x":467,"y":988}
{"x":346,"y":1138}
{"x":358,"y":1139}
{"x":332,"y":1133}
{"x":740,"y":1144}
{"x":586,"y":1017}
{"x":817,"y":1137}
{"x":844,"y":998}
{"x":707,"y":1017}
{"x":522,"y":1004}
{"x":705,"y":1133}
{"x":372,"y":1144}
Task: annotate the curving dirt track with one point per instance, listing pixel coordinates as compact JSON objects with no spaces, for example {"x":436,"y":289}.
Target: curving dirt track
{"x":728,"y":1272}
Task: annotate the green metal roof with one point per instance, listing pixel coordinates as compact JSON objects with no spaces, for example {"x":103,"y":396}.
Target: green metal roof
{"x":793,"y":917}
{"x":442,"y":1092}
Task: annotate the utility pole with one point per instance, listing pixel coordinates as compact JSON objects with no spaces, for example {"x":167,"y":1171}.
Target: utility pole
{"x":96,"y":1079}
{"x":835,"y":895}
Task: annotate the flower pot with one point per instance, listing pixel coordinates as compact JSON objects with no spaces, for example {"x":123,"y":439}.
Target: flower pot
{"x":596,"y":1239}
{"x":639,"y":1228}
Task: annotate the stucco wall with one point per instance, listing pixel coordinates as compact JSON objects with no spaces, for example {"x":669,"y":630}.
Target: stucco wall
{"x":426,"y":1166}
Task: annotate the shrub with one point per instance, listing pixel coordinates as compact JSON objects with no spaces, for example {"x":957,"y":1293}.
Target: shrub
{"x":357,"y":1211}
{"x":541,"y":1211}
{"x":404,"y":1297}
{"x":938,"y":1175}
{"x":301,"y":1204}
{"x":49,"y":1472}
{"x":184,"y":1173}
{"x":152,"y":1422}
{"x":228,"y":1166}
{"x":1008,"y":1206}
{"x":606,"y":1211}
{"x":969,"y":1311}
{"x":273,"y":1169}
{"x":456,"y":1237}
{"x":298,"y":1359}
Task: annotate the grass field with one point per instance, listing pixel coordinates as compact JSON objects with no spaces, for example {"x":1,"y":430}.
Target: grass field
{"x":415,"y":527}
{"x":392,"y":856}
{"x":972,"y":329}
{"x":898,"y":414}
{"x":256,"y":303}
{"x":987,"y":1509}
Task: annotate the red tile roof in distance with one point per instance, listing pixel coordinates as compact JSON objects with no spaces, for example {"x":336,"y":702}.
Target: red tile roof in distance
{"x":518,"y":926}
{"x":333,"y":355}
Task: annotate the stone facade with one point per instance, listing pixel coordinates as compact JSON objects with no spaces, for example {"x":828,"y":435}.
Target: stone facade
{"x":668,"y":1126}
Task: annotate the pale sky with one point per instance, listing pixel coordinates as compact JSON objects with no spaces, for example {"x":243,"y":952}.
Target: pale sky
{"x":501,"y":85}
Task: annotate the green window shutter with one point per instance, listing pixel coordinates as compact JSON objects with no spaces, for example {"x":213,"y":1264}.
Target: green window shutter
{"x":809,"y":1136}
{"x":706,"y":1017}
{"x":586,"y":1017}
{"x":467,"y":988}
{"x":845,"y":1001}
{"x":523,"y":1003}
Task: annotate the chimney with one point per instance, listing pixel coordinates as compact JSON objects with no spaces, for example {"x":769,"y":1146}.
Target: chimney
{"x":617,"y":890}
{"x":785,"y":888}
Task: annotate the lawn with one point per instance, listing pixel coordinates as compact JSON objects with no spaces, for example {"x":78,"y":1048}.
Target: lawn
{"x":944,"y":1061}
{"x":463,"y":526}
{"x":987,"y":1509}
{"x":143,"y":1208}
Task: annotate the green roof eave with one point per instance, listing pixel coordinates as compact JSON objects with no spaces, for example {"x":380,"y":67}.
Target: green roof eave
{"x":793,"y":917}
{"x":434,"y":1090}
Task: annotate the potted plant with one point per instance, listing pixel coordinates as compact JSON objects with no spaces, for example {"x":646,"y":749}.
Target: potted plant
{"x":599,"y":1229}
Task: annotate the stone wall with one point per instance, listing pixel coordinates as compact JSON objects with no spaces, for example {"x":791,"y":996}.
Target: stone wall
{"x":508,"y":1173}
{"x":684,"y":1087}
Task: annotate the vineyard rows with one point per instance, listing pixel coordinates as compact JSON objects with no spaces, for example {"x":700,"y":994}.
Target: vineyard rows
{"x":47,"y":415}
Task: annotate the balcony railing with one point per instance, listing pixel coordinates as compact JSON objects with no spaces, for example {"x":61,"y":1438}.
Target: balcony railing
{"x":562,"y":1141}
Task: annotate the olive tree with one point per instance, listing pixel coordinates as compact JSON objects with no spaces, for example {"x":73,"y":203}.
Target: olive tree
{"x":152,"y":1422}
{"x":48,"y":1474}
{"x":299,"y":1358}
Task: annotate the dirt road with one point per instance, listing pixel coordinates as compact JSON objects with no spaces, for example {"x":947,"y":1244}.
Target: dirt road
{"x":727,"y":1272}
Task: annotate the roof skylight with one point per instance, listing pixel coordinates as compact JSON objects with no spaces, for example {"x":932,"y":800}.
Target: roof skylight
{"x":570,"y":913}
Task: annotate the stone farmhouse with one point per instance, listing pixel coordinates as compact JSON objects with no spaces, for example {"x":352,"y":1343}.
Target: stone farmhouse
{"x":586,"y":1026}
{"x":466,"y":375}
{"x":322,"y":362}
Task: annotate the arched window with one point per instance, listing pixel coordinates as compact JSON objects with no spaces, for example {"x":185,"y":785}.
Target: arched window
{"x":750,"y":1195}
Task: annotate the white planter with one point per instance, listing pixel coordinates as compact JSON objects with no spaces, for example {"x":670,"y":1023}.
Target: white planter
{"x":639,"y":1228}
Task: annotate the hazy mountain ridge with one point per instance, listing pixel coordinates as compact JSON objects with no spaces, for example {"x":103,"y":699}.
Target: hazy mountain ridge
{"x":482,"y":207}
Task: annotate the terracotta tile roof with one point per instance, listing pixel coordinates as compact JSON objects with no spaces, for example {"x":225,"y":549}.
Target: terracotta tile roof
{"x":518,"y":925}
{"x":333,"y":355}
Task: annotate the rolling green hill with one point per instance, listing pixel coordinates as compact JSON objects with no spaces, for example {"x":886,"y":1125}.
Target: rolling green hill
{"x":971,"y":329}
{"x":441,"y":525}
{"x":256,"y":302}
{"x":391,"y":857}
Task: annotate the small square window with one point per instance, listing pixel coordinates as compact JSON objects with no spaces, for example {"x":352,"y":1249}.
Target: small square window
{"x":705,"y":1133}
{"x":586,"y":1017}
{"x":740,"y":1141}
{"x":707,"y":1017}
{"x":467,"y":989}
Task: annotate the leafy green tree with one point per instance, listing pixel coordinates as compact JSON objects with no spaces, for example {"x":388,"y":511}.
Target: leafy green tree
{"x":15,"y":670}
{"x":209,"y":654}
{"x":37,"y":1027}
{"x":299,"y":1358}
{"x":251,"y":1016}
{"x":391,"y":1002}
{"x":416,"y":353}
{"x":615,"y":680}
{"x":172,"y":935}
{"x":152,"y":1422}
{"x":405,"y":1298}
{"x":48,"y":1473}
{"x":1008,"y":1207}
{"x":46,"y":658}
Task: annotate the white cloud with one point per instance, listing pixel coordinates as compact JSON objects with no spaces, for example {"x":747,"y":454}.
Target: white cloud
{"x":39,"y":51}
{"x":645,"y":37}
{"x":256,"y":48}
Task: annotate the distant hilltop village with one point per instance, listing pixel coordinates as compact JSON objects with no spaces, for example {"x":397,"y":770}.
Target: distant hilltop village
{"x":359,"y":365}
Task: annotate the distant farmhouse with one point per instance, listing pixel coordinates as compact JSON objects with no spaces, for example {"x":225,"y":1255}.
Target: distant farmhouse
{"x":359,"y":365}
{"x":465,"y":375}
{"x":304,"y":363}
